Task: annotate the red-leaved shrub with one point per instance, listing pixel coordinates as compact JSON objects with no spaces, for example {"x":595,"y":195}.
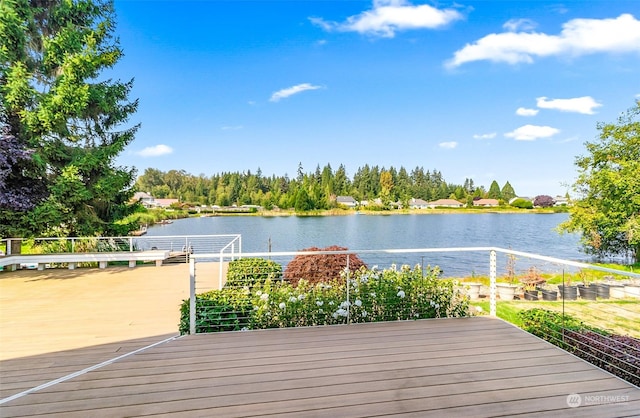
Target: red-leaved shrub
{"x":321,"y":267}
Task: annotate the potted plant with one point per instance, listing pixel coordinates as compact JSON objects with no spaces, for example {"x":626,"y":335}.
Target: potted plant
{"x":586,"y":290}
{"x":567,"y":291}
{"x":632,"y":290}
{"x":507,"y":291}
{"x":616,"y":290}
{"x":531,"y":281}
{"x":473,"y":289}
{"x":602,"y":290}
{"x":548,"y":294}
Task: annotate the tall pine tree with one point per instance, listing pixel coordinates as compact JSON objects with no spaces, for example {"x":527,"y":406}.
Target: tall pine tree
{"x":55,"y":104}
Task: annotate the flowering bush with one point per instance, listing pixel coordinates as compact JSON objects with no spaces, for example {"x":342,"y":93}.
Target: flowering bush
{"x":369,"y":295}
{"x":366,"y":295}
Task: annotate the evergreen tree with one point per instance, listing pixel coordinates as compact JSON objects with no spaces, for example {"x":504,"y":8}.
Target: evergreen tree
{"x":53,"y":102}
{"x":494,"y":191}
{"x":507,"y":192}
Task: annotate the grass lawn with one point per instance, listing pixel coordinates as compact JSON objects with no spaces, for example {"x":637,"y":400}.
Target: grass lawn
{"x":619,"y":316}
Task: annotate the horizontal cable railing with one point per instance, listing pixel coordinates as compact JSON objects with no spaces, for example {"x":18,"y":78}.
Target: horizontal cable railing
{"x":599,"y":324}
{"x":174,"y":243}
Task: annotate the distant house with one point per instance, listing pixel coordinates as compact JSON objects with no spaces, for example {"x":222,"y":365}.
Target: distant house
{"x":418,"y":204}
{"x":165,"y":203}
{"x":376,"y":201}
{"x":486,"y":202}
{"x":560,"y":201}
{"x":145,"y":199}
{"x":347,"y":201}
{"x":445,"y":203}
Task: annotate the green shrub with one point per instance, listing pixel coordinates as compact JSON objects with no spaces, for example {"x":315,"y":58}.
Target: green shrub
{"x":549,"y":325}
{"x":374,"y":295}
{"x":251,"y":272}
{"x":389,"y":295}
{"x":522,"y":204}
{"x":218,"y":310}
{"x":618,"y":354}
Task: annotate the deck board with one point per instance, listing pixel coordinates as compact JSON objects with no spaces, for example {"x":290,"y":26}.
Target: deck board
{"x":452,"y":367}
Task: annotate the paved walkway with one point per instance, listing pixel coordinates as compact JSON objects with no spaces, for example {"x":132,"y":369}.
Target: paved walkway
{"x":59,"y":309}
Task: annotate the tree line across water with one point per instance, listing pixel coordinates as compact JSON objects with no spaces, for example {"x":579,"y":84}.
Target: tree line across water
{"x":314,"y":190}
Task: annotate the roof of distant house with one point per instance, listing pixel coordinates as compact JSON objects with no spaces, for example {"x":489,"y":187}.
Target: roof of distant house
{"x":486,"y":202}
{"x":445,"y":202}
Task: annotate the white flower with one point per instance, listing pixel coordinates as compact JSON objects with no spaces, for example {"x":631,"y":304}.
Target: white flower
{"x":331,"y":302}
{"x":364,"y":314}
{"x":437,"y":306}
{"x":358,"y":302}
{"x":401,"y":294}
{"x":393,"y":266}
{"x":341,"y":312}
{"x":282,"y":305}
{"x":345,"y":305}
{"x":301,"y":296}
{"x":479,"y":308}
{"x":319,"y":302}
{"x":374,"y":268}
{"x":259,"y":292}
{"x":293,"y":299}
{"x":372,"y":294}
{"x":264,"y":296}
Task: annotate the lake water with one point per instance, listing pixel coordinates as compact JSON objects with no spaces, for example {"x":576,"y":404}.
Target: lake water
{"x":534,"y":233}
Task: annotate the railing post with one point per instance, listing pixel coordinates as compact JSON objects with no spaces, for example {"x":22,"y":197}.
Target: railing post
{"x":221,"y":269}
{"x":348,"y":304}
{"x":73,"y":245}
{"x":492,"y":283}
{"x":130,"y":244}
{"x":192,"y":296}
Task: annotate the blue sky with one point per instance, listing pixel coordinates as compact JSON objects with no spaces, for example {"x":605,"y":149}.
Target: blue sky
{"x":490,"y":90}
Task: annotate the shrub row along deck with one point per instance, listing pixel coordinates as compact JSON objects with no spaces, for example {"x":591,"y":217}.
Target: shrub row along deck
{"x":72,"y":259}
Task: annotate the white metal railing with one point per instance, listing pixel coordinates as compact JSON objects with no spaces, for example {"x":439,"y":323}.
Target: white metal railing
{"x":175,"y":243}
{"x":491,"y":265}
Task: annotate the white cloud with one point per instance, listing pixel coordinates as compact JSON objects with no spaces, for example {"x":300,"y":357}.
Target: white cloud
{"x":523,"y":111}
{"x":584,"y":105}
{"x":232,"y":128}
{"x":484,"y":136}
{"x":532,"y":132}
{"x":155,"y":151}
{"x":514,"y":25}
{"x":290,"y":91}
{"x":578,"y":37}
{"x":389,"y":16}
{"x":448,"y":145}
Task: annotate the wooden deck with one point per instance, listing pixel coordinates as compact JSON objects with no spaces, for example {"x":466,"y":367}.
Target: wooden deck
{"x":446,"y":367}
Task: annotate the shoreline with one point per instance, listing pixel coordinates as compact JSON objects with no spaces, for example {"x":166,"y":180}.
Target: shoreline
{"x":348,"y":212}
